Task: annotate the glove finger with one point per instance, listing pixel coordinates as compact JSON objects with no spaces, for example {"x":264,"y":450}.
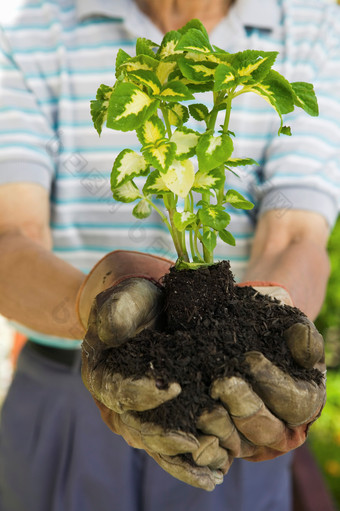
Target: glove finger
{"x":211,"y":454}
{"x":306,"y":344}
{"x":294,"y":401}
{"x":126,"y":309}
{"x":122,"y":394}
{"x":217,"y":422}
{"x":170,"y":442}
{"x":200,"y":477}
{"x":249,"y":414}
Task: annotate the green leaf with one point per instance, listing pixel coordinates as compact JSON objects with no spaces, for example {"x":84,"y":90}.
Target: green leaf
{"x":241,"y":162}
{"x":194,"y":40}
{"x":209,"y":240}
{"x":142,"y":209}
{"x":197,"y":24}
{"x":214,"y":216}
{"x":227,"y":237}
{"x":177,"y":114}
{"x":179,"y":178}
{"x":129,"y":107}
{"x":199,"y":111}
{"x":127,"y":165}
{"x":184,"y":219}
{"x":237,"y":200}
{"x":213,"y":151}
{"x":305,"y":98}
{"x":121,"y":58}
{"x":205,"y":181}
{"x":160,"y":155}
{"x":225,"y":77}
{"x":146,"y":47}
{"x":285,"y":130}
{"x":147,"y":78}
{"x":99,"y":106}
{"x":155,"y":185}
{"x":197,"y":70}
{"x":185,"y":140}
{"x":128,"y":192}
{"x":152,"y":131}
{"x":175,"y":91}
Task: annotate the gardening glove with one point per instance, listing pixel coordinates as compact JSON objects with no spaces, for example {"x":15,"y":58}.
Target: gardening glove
{"x":126,"y":299}
{"x":273,"y":415}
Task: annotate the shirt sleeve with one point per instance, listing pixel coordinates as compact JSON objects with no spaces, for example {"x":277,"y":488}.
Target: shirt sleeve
{"x":27,"y":138}
{"x":303,"y":171}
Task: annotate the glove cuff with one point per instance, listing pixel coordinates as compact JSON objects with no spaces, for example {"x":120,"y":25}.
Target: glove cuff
{"x":114,"y":268}
{"x":272,"y":289}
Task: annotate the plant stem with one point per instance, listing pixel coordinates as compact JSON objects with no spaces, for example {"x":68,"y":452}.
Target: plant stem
{"x":166,"y":120}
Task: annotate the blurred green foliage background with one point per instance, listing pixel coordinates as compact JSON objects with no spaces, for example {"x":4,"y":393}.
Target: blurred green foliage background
{"x":324,"y":437}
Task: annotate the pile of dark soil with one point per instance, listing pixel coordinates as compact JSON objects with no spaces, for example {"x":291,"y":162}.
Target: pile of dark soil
{"x":209,"y":323}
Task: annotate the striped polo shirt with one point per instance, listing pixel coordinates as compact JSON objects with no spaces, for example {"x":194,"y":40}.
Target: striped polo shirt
{"x":55,"y":54}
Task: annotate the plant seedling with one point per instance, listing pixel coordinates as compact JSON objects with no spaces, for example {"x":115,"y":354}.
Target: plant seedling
{"x":154,"y":94}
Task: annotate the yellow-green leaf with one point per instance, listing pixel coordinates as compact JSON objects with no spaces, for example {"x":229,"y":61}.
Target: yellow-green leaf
{"x":142,"y":209}
{"x":128,"y":192}
{"x":155,"y":184}
{"x":160,"y":155}
{"x":185,"y":140}
{"x":177,"y":114}
{"x":180,"y":177}
{"x":127,"y":165}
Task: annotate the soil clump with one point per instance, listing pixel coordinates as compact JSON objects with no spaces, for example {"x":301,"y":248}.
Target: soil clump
{"x":207,"y":326}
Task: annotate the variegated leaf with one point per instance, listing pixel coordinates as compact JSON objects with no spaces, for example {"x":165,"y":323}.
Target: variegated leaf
{"x":197,"y":71}
{"x":160,"y":155}
{"x":128,"y":192}
{"x":164,"y":70}
{"x":175,"y":91}
{"x":155,"y":185}
{"x":225,"y":77}
{"x":180,"y":177}
{"x":185,"y":140}
{"x":213,"y":151}
{"x":147,"y":78}
{"x":139,"y":63}
{"x":205,"y":181}
{"x":177,"y":114}
{"x":214,"y":216}
{"x":151,"y":131}
{"x":99,"y":106}
{"x":168,"y":45}
{"x":253,"y":65}
{"x":127,"y":165}
{"x":142,"y":209}
{"x":183,"y":219}
{"x":199,"y":111}
{"x":237,"y":200}
{"x":121,"y":58}
{"x":129,"y":107}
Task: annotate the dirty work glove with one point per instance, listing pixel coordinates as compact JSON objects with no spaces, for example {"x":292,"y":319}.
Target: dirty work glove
{"x":126,"y":299}
{"x":273,"y":415}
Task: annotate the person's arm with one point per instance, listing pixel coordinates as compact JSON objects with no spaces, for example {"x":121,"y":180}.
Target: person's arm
{"x":38,"y":289}
{"x":290,"y":248}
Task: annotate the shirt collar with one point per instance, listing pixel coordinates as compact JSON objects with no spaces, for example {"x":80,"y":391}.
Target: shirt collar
{"x":263,"y":14}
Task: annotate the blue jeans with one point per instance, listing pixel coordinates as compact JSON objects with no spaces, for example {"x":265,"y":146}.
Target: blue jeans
{"x":57,"y":455}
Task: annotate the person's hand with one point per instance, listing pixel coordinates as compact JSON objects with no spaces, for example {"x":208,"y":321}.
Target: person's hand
{"x":271,"y":416}
{"x":118,"y":313}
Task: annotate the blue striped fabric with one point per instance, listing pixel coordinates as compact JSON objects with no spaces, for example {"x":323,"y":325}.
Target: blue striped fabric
{"x":55,"y":54}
